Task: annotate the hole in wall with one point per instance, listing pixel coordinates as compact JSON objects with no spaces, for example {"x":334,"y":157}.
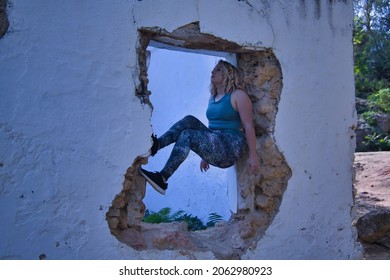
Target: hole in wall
{"x":179,"y":82}
{"x":258,"y":196}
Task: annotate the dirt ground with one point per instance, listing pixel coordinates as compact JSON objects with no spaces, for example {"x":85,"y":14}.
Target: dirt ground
{"x":372,"y":192}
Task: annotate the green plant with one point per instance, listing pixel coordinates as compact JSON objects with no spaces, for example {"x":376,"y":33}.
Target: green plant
{"x":162,"y":216}
{"x":213,"y":219}
{"x":368,"y":116}
{"x":375,"y":142}
{"x":381,"y":99}
{"x":193,"y":222}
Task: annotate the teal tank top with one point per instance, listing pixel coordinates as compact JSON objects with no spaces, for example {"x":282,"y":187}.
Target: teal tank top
{"x":222,"y":116}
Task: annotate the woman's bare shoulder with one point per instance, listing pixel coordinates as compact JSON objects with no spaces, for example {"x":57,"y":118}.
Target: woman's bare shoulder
{"x":239,"y":91}
{"x":240,"y":94}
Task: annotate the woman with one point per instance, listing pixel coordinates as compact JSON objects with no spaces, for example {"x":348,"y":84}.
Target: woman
{"x":230,"y":129}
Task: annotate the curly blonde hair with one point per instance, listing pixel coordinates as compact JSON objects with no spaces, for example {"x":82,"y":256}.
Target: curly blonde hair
{"x":232,"y":78}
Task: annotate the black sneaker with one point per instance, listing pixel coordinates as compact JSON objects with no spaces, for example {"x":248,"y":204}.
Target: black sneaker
{"x":155,"y":179}
{"x":154,"y":148}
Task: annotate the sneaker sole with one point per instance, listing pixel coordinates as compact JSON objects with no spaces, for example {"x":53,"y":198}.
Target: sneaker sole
{"x":153,"y":184}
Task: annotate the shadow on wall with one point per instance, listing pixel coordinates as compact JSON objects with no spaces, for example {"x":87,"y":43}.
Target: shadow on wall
{"x":259,"y":196}
{"x":4,"y":23}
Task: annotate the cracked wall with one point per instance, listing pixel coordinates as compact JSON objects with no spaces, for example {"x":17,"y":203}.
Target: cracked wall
{"x":259,"y":196}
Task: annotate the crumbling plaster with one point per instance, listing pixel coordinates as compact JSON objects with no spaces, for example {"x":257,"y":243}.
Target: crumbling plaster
{"x":88,"y":83}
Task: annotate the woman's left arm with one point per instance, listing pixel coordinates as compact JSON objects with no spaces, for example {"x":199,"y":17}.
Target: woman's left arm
{"x":243,"y":105}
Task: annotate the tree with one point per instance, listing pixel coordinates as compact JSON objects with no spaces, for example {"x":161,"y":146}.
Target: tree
{"x":371,"y":40}
{"x":371,"y":45}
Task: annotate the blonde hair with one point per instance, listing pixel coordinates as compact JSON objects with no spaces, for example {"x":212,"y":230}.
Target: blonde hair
{"x":232,"y":78}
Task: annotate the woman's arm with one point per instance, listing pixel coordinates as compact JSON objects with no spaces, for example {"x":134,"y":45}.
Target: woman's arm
{"x":243,"y":105}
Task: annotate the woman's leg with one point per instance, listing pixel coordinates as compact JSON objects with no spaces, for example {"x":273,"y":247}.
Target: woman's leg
{"x":217,"y":148}
{"x":158,"y":180}
{"x":172,"y":135}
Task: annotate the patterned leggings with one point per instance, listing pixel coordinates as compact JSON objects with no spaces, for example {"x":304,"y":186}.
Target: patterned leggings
{"x":216,"y":147}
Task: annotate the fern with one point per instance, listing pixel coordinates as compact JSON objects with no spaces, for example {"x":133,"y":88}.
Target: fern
{"x":193,"y":222}
{"x":162,"y":216}
{"x":375,"y":142}
{"x":213,"y":219}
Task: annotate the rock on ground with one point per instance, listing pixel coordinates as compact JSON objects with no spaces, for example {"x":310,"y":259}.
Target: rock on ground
{"x":372,"y":203}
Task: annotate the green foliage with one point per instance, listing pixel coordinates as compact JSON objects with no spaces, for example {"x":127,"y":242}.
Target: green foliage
{"x":365,"y":85}
{"x":375,"y":142}
{"x":368,"y":116}
{"x":371,"y":41}
{"x":378,"y":103}
{"x":381,"y":100}
{"x":371,"y":44}
{"x":193,"y":222}
{"x":162,"y":216}
{"x":213,"y":219}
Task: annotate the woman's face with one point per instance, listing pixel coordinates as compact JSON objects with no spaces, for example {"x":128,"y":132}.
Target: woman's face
{"x":216,"y":75}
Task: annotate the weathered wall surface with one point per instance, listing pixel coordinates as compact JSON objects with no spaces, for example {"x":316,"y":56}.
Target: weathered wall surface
{"x":68,"y":116}
{"x":72,"y":123}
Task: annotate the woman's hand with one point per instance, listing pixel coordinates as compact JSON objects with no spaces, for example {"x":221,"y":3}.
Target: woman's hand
{"x":253,"y":163}
{"x":204,"y":166}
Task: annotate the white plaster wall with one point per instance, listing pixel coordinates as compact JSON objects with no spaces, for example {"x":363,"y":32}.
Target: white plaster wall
{"x":314,"y":129}
{"x":70,"y":125}
{"x":68,"y":118}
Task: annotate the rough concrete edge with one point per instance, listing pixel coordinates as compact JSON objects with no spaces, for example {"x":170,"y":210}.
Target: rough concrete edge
{"x":358,"y":253}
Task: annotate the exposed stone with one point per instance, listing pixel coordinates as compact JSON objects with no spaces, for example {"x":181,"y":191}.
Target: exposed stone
{"x":189,"y":36}
{"x":253,"y":222}
{"x":361,"y":105}
{"x":273,"y":189}
{"x":128,"y":206}
{"x":172,"y":237}
{"x":374,"y":226}
{"x":266,"y":203}
{"x":363,"y":129}
{"x":135,"y":212}
{"x":133,"y":237}
{"x":113,"y":222}
{"x":383,"y":122}
{"x":113,"y":212}
{"x":119,"y":201}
